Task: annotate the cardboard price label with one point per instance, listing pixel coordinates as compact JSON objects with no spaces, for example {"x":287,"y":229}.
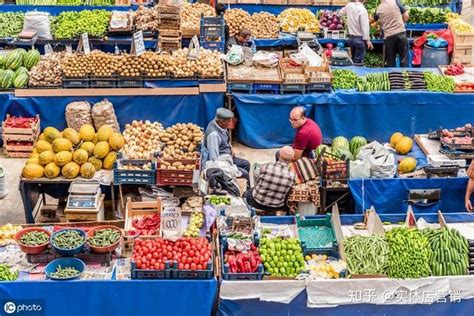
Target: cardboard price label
{"x":138,"y":43}
{"x":171,"y":223}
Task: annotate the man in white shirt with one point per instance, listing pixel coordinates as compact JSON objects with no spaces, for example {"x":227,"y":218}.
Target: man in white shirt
{"x":359,"y":29}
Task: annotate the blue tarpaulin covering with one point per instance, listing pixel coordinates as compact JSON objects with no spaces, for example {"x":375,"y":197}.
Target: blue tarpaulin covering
{"x":375,"y":115}
{"x":199,"y":109}
{"x":118,"y":298}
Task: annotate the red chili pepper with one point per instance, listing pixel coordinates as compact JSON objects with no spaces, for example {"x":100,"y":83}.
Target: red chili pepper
{"x":247,"y":267}
{"x":253,"y":261}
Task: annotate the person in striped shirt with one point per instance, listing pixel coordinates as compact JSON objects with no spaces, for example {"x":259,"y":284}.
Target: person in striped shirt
{"x":470,"y":187}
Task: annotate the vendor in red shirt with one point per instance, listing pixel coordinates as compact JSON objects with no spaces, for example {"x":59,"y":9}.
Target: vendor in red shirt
{"x":308,"y":134}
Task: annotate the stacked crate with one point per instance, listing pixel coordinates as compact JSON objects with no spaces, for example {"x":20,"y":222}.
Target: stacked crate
{"x":463,"y":47}
{"x":212,"y":33}
{"x":169,"y":38}
{"x":19,"y":142}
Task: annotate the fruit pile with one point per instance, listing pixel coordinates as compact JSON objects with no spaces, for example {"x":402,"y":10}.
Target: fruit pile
{"x":72,"y":153}
{"x":292,"y":20}
{"x":342,"y":147}
{"x":71,"y":24}
{"x":454,"y":70}
{"x":331,"y":21}
{"x":181,"y":141}
{"x":438,"y":83}
{"x":450,"y":252}
{"x":15,"y":67}
{"x":402,"y":144}
{"x":322,"y":267}
{"x":461,"y":27}
{"x":236,"y":20}
{"x":191,"y":14}
{"x":243,"y":262}
{"x":142,"y":139}
{"x":188,"y":253}
{"x":196,"y":221}
{"x":374,"y":82}
{"x":282,"y":256}
{"x":407,"y":165}
{"x":7,"y":234}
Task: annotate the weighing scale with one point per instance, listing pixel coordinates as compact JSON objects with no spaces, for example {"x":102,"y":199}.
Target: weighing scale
{"x":84,"y":195}
{"x":310,"y":40}
{"x":340,"y":58}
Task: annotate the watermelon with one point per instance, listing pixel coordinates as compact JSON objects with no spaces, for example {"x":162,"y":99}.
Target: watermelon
{"x":21,"y":70}
{"x":14,"y":60}
{"x":2,"y":61}
{"x":6,"y":80}
{"x":320,"y":149}
{"x":21,"y":51}
{"x":356,"y":143}
{"x":21,"y":81}
{"x":31,"y":59}
{"x":343,"y":152}
{"x":340,"y":141}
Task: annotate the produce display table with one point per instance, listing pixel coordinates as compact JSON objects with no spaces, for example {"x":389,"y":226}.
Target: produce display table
{"x":167,"y":109}
{"x":119,"y":298}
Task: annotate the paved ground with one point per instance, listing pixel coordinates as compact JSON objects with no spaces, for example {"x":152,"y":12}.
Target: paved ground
{"x":11,"y":207}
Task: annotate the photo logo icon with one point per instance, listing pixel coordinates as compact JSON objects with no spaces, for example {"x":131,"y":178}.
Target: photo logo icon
{"x":9,"y":307}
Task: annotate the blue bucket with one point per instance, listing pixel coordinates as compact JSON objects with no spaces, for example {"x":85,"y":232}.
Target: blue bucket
{"x":69,"y":252}
{"x":433,"y":57}
{"x":75,"y":263}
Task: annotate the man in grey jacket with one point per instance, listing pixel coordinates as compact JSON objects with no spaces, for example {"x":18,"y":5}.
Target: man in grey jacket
{"x":217,"y":141}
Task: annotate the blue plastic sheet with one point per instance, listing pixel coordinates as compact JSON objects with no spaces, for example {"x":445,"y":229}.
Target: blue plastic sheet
{"x":118,"y":298}
{"x":298,"y":307}
{"x":389,"y":196}
{"x":199,"y":109}
{"x":375,"y":115}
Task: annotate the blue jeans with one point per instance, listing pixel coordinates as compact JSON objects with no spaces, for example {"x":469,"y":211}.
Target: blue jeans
{"x":358,"y":49}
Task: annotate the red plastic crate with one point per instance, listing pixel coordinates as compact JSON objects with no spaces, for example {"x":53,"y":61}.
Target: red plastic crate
{"x":166,"y":177}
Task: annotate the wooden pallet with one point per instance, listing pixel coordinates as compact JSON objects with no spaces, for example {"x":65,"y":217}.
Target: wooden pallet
{"x":16,"y":154}
{"x":21,"y":137}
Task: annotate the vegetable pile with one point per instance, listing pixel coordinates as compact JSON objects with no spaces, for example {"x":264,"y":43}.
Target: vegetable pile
{"x":450,"y":254}
{"x":373,"y":60}
{"x":427,"y":15}
{"x":236,"y":19}
{"x":367,"y":254}
{"x":292,"y":19}
{"x":282,"y":256}
{"x":48,"y":72}
{"x":147,"y":225}
{"x":454,"y":70}
{"x":410,"y":254}
{"x":104,"y":237}
{"x":146,"y":19}
{"x":322,"y":267}
{"x":7,"y":234}
{"x":426,"y":3}
{"x":63,"y":273}
{"x":344,"y":79}
{"x":374,"y":82}
{"x":34,"y":238}
{"x":407,"y":80}
{"x":68,"y":239}
{"x":191,"y":14}
{"x":243,"y":262}
{"x":188,"y":253}
{"x":6,"y":274}
{"x":70,"y":24}
{"x":331,"y":21}
{"x":11,"y":23}
{"x":438,"y":83}
{"x":196,"y":221}
{"x":21,"y":122}
{"x":264,"y":25}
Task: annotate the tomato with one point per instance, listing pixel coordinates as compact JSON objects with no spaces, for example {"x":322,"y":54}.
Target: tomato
{"x":176,"y":258}
{"x":180,"y":266}
{"x":186,"y":266}
{"x":169,"y":248}
{"x":196,"y":260}
{"x":189,"y":260}
{"x":139,"y":264}
{"x":169,"y":255}
{"x":149,"y":256}
{"x":156,"y":255}
{"x":157,"y":266}
{"x":153,"y":261}
{"x":191,"y":253}
{"x":193,"y":266}
{"x":199,"y":267}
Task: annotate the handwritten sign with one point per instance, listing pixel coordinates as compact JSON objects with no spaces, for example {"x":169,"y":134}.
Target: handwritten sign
{"x":171,"y":223}
{"x":138,"y":43}
{"x":84,"y":44}
{"x":194,"y":48}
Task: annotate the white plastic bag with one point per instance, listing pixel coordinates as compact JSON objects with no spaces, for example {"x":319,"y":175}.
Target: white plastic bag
{"x":310,"y":56}
{"x":38,"y":22}
{"x":359,"y":169}
{"x":266,"y":59}
{"x":235,"y":55}
{"x":380,"y":159}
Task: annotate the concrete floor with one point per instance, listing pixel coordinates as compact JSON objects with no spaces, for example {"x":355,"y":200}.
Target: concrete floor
{"x":11,"y":206}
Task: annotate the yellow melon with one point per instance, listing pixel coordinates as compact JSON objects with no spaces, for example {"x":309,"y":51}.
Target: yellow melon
{"x":89,"y":147}
{"x":52,"y":170}
{"x":95,"y":140}
{"x":101,"y":149}
{"x":407,"y":165}
{"x":404,"y":145}
{"x":72,"y":135}
{"x":71,"y":170}
{"x":43,"y":145}
{"x":33,"y":160}
{"x":96,"y":162}
{"x":395,"y":138}
{"x":87,"y":170}
{"x":80,"y":156}
{"x":109,"y":160}
{"x":62,"y":144}
{"x":116,"y":141}
{"x":32,"y":171}
{"x":87,"y":132}
{"x":62,"y":158}
{"x":46,"y":157}
{"x":41,"y":136}
{"x":51,"y":133}
{"x":104,"y":132}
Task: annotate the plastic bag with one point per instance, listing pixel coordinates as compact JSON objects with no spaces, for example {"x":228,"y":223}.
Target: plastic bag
{"x":310,"y":56}
{"x":78,"y":114}
{"x":235,"y":55}
{"x":103,"y":113}
{"x":359,"y":169}
{"x":265,"y":59}
{"x":380,"y":159}
{"x":38,"y":22}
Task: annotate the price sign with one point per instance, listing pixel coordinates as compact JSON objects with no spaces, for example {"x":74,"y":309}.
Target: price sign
{"x":69,"y":48}
{"x":138,"y":43}
{"x":48,"y":49}
{"x":194,"y":48}
{"x":84,"y":44}
{"x":171,"y":223}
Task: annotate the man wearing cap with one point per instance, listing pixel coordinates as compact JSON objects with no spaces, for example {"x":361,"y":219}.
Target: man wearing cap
{"x":217,"y":141}
{"x":274,"y":182}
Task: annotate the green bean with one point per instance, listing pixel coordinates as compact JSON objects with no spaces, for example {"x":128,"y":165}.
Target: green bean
{"x":438,"y":83}
{"x":62,"y":273}
{"x":104,"y":237}
{"x":34,"y":238}
{"x":11,"y":23}
{"x":366,"y":254}
{"x":68,"y":239}
{"x":6,"y":274}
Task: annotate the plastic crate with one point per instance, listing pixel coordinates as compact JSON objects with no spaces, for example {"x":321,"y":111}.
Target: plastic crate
{"x":273,"y":88}
{"x":130,"y":82}
{"x":103,"y":82}
{"x":323,"y":222}
{"x":212,"y":45}
{"x":194,"y":274}
{"x":150,"y":274}
{"x":226,"y":275}
{"x":293,"y":88}
{"x":453,"y":146}
{"x":73,"y":83}
{"x":165,"y":177}
{"x":318,"y":87}
{"x":239,"y":87}
{"x":122,"y":176}
{"x":212,"y":27}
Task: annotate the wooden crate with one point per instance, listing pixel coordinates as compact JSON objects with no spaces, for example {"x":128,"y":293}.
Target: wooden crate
{"x":22,"y":131}
{"x":189,"y":33}
{"x":248,"y":1}
{"x":291,"y":74}
{"x":136,"y":209}
{"x":77,"y":215}
{"x":340,"y":3}
{"x":17,"y":154}
{"x":300,"y":2}
{"x":19,"y":148}
{"x":21,"y":137}
{"x":463,"y":55}
{"x":314,"y":74}
{"x":275,"y":2}
{"x":322,"y":2}
{"x":460,"y":39}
